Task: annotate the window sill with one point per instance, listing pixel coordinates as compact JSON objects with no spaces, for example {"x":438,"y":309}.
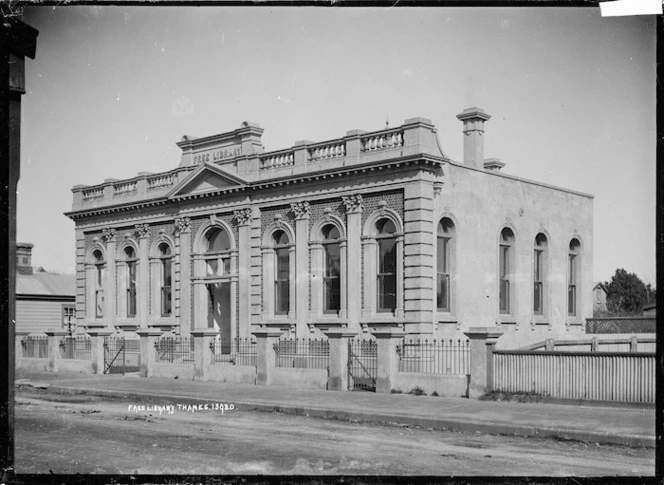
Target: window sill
{"x":506,"y":320}
{"x":446,"y":317}
{"x":574,"y":321}
{"x":540,"y":320}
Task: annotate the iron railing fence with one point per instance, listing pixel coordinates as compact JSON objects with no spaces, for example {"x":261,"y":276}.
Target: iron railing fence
{"x":77,"y":348}
{"x":303,"y":353}
{"x":596,"y":376}
{"x":239,"y":351}
{"x":35,"y":346}
{"x":362,"y":364}
{"x":444,"y":356}
{"x":175,"y":350}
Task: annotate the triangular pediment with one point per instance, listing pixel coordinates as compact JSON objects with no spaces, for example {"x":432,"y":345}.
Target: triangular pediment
{"x":206,"y":179}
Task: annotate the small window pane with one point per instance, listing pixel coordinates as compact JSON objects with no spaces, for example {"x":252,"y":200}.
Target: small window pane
{"x":280,"y":237}
{"x":164,"y":249}
{"x":212,"y":266}
{"x":218,"y":240}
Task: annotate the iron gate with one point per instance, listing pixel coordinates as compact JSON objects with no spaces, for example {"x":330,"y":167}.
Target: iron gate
{"x":121,"y":355}
{"x":362,"y":364}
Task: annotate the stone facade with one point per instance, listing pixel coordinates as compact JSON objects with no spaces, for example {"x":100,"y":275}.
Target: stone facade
{"x":345,"y":234}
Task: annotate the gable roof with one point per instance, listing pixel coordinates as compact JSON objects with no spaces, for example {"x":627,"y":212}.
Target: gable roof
{"x":206,"y":179}
{"x":46,"y":284}
{"x":599,"y":284}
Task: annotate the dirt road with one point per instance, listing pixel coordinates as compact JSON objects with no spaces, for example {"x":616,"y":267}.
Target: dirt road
{"x":87,"y":434}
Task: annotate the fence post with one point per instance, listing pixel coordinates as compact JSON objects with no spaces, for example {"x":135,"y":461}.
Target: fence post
{"x":97,"y":336}
{"x":337,"y":377}
{"x":54,"y":348}
{"x":148,"y":338}
{"x":634,"y":344}
{"x":266,"y":357}
{"x":387,"y":339}
{"x":202,"y":353}
{"x":549,"y":345}
{"x":18,"y":351}
{"x":482,"y":343}
{"x":593,"y":344}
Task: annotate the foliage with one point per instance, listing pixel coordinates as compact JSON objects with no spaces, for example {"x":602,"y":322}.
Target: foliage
{"x":417,"y":391}
{"x":627,"y":294}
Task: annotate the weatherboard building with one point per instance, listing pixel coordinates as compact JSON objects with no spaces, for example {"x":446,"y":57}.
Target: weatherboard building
{"x":372,"y":230}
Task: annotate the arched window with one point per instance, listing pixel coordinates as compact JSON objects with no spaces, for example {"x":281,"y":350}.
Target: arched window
{"x":445,"y":233}
{"x":573,"y":276}
{"x":165,"y":259}
{"x":281,"y":273}
{"x":539,"y":272}
{"x":100,"y":277}
{"x":130,"y":260}
{"x":387,"y":266}
{"x":218,"y":252}
{"x":331,"y":269}
{"x":506,"y":263}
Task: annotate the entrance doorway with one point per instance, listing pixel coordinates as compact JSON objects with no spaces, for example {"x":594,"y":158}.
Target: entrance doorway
{"x":219,"y":309}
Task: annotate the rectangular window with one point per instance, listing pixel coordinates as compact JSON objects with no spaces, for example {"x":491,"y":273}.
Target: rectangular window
{"x":332,"y":291}
{"x":443,"y":281}
{"x":387,"y":274}
{"x":282,"y":282}
{"x":131,"y":289}
{"x":538,"y":297}
{"x":69,"y":318}
{"x":571,"y":288}
{"x":165,"y":287}
{"x":504,"y":297}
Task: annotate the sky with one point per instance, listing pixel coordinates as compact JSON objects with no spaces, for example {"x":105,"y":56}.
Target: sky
{"x":571,"y":94}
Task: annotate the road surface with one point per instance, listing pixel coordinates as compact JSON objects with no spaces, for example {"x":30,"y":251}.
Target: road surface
{"x":67,"y":434}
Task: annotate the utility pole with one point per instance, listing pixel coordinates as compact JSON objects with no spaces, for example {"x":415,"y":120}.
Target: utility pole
{"x":18,"y":40}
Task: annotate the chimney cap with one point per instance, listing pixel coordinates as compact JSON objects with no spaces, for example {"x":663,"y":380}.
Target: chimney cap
{"x":473,"y":113}
{"x":25,"y":245}
{"x":493,"y":164}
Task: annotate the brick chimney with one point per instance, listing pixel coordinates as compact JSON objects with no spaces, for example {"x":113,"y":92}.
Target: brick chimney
{"x":24,"y":258}
{"x":473,"y":140}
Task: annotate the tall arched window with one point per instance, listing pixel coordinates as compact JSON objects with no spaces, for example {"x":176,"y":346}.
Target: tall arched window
{"x":100,"y":277}
{"x":505,"y":271}
{"x":281,"y":273}
{"x":130,"y":260}
{"x":331,"y":269}
{"x":165,"y":259}
{"x":387,"y":266}
{"x":218,"y":253}
{"x":445,"y":233}
{"x":573,"y":270}
{"x":539,"y":272}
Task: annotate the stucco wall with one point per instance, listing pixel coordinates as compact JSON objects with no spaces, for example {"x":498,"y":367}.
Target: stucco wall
{"x":299,"y":378}
{"x":237,"y":374}
{"x":181,"y":371}
{"x":444,"y":385}
{"x":482,"y":203}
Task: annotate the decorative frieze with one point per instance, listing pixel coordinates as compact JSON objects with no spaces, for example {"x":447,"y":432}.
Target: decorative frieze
{"x":182,"y":224}
{"x":352,"y":202}
{"x":300,"y":209}
{"x":242,"y":216}
{"x":109,"y":234}
{"x":143,"y":230}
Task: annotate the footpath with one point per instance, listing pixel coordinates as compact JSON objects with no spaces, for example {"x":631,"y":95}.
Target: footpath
{"x":633,"y":426}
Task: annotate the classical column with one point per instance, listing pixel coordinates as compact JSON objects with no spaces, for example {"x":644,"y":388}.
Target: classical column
{"x":183,"y":235}
{"x":243,"y":219}
{"x":302,"y":212}
{"x":143,"y":231}
{"x":109,"y":287}
{"x":353,"y":268}
{"x":482,"y":343}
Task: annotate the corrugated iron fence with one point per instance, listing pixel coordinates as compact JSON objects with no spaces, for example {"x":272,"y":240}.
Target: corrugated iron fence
{"x":602,"y":376}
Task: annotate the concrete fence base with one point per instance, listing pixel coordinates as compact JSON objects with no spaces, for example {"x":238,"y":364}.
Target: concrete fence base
{"x":443,"y":384}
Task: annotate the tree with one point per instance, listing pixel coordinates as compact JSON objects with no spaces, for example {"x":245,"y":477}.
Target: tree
{"x":627,"y":294}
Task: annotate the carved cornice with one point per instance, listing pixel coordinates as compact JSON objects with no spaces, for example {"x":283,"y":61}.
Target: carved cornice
{"x":109,"y":234}
{"x":143,"y":230}
{"x":352,"y":202}
{"x":300,"y":209}
{"x":182,"y":224}
{"x":242,"y":216}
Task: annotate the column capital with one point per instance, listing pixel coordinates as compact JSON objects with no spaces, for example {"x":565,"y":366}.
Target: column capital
{"x":182,"y":224}
{"x":109,"y":234}
{"x":143,"y":230}
{"x":242,"y":217}
{"x":353,"y":203}
{"x":300,"y":210}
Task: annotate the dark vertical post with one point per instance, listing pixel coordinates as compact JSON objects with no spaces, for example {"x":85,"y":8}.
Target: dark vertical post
{"x":17,"y":40}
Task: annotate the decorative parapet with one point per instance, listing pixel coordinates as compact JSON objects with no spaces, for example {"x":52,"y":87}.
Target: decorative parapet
{"x":143,"y":230}
{"x":300,"y":209}
{"x":94,"y":193}
{"x":328,"y":150}
{"x":381,"y":140}
{"x":282,"y":158}
{"x":182,"y":224}
{"x":352,"y":202}
{"x":125,"y":188}
{"x":242,"y":216}
{"x":160,"y":181}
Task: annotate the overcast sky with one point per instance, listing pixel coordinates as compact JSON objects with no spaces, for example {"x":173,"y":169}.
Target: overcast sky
{"x":571,"y":94}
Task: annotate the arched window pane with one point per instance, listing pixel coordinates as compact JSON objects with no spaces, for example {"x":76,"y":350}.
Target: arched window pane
{"x":164,"y":249}
{"x":573,"y":257}
{"x":331,"y":232}
{"x":280,"y":237}
{"x":504,"y":270}
{"x":386,"y":226}
{"x":538,"y":274}
{"x":218,"y":240}
{"x":131,"y":281}
{"x":282,"y":281}
{"x":130,"y":253}
{"x":387,"y":274}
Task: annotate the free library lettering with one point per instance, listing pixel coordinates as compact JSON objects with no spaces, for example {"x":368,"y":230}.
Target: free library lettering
{"x":367,"y":231}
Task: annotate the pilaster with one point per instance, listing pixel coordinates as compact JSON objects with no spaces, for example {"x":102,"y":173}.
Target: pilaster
{"x":183,"y":279}
{"x":109,"y":287}
{"x":243,"y":219}
{"x":353,"y":267}
{"x":302,"y":212}
{"x":143,"y":232}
